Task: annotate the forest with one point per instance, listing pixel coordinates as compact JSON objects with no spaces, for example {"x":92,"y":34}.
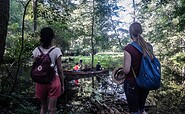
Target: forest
{"x":92,"y":31}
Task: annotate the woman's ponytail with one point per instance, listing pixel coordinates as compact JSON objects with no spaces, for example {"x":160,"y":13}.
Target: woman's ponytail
{"x":135,"y":31}
{"x":146,"y":47}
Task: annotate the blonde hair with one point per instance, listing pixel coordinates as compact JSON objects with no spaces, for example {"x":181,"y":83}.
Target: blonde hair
{"x":135,"y":31}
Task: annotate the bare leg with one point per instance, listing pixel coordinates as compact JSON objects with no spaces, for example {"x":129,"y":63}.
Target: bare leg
{"x":44,"y":106}
{"x":52,"y":105}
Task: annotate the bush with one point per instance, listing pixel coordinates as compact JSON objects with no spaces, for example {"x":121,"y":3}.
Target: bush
{"x":170,"y":99}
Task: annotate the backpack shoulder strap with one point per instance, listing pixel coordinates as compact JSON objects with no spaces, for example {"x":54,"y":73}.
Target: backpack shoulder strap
{"x":137,"y":46}
{"x":40,"y":50}
{"x":51,"y":50}
{"x":48,"y":51}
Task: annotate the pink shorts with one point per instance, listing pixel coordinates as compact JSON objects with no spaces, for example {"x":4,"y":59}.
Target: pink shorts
{"x":52,"y":90}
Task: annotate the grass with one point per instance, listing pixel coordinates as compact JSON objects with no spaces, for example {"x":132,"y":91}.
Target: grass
{"x":107,"y":61}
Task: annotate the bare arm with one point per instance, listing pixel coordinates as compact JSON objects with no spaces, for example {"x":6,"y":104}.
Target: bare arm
{"x":60,"y":71}
{"x":127,"y":62}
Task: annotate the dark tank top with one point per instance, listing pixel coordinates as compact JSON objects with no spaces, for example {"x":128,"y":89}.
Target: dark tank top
{"x":135,"y":62}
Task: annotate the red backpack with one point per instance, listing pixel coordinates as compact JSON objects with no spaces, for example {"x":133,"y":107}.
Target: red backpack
{"x":42,"y":70}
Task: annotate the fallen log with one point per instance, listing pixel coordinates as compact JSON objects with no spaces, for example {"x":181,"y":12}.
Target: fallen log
{"x":73,"y":75}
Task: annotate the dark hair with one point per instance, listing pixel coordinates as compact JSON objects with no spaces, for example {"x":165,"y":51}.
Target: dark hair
{"x":46,"y":36}
{"x":135,"y":31}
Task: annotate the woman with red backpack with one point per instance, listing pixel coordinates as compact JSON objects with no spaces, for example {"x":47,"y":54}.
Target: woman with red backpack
{"x":48,"y":93}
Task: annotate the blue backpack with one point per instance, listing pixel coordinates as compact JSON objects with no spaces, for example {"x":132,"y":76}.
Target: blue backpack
{"x":149,"y":76}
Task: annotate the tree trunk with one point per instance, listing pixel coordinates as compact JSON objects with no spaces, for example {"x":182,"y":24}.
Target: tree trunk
{"x":92,"y":37}
{"x":4,"y":17}
{"x":35,"y":14}
{"x":134,"y":6}
{"x":92,"y":43}
{"x":183,"y":67}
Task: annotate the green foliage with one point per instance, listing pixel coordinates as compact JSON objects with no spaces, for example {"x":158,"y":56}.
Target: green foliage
{"x":171,"y":99}
{"x":179,"y":14}
{"x":179,"y":59}
{"x":13,"y":47}
{"x":163,"y":23}
{"x":20,"y":101}
{"x":72,"y":22}
{"x":16,"y":12}
{"x":107,"y":61}
{"x":19,"y":104}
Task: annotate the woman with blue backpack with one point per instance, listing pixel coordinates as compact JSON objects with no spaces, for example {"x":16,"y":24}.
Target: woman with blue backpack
{"x":47,"y":72}
{"x":136,"y":95}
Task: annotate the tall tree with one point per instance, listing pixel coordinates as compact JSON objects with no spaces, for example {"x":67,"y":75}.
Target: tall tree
{"x":92,"y":36}
{"x":35,"y":14}
{"x":134,"y":11}
{"x":4,"y":17}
